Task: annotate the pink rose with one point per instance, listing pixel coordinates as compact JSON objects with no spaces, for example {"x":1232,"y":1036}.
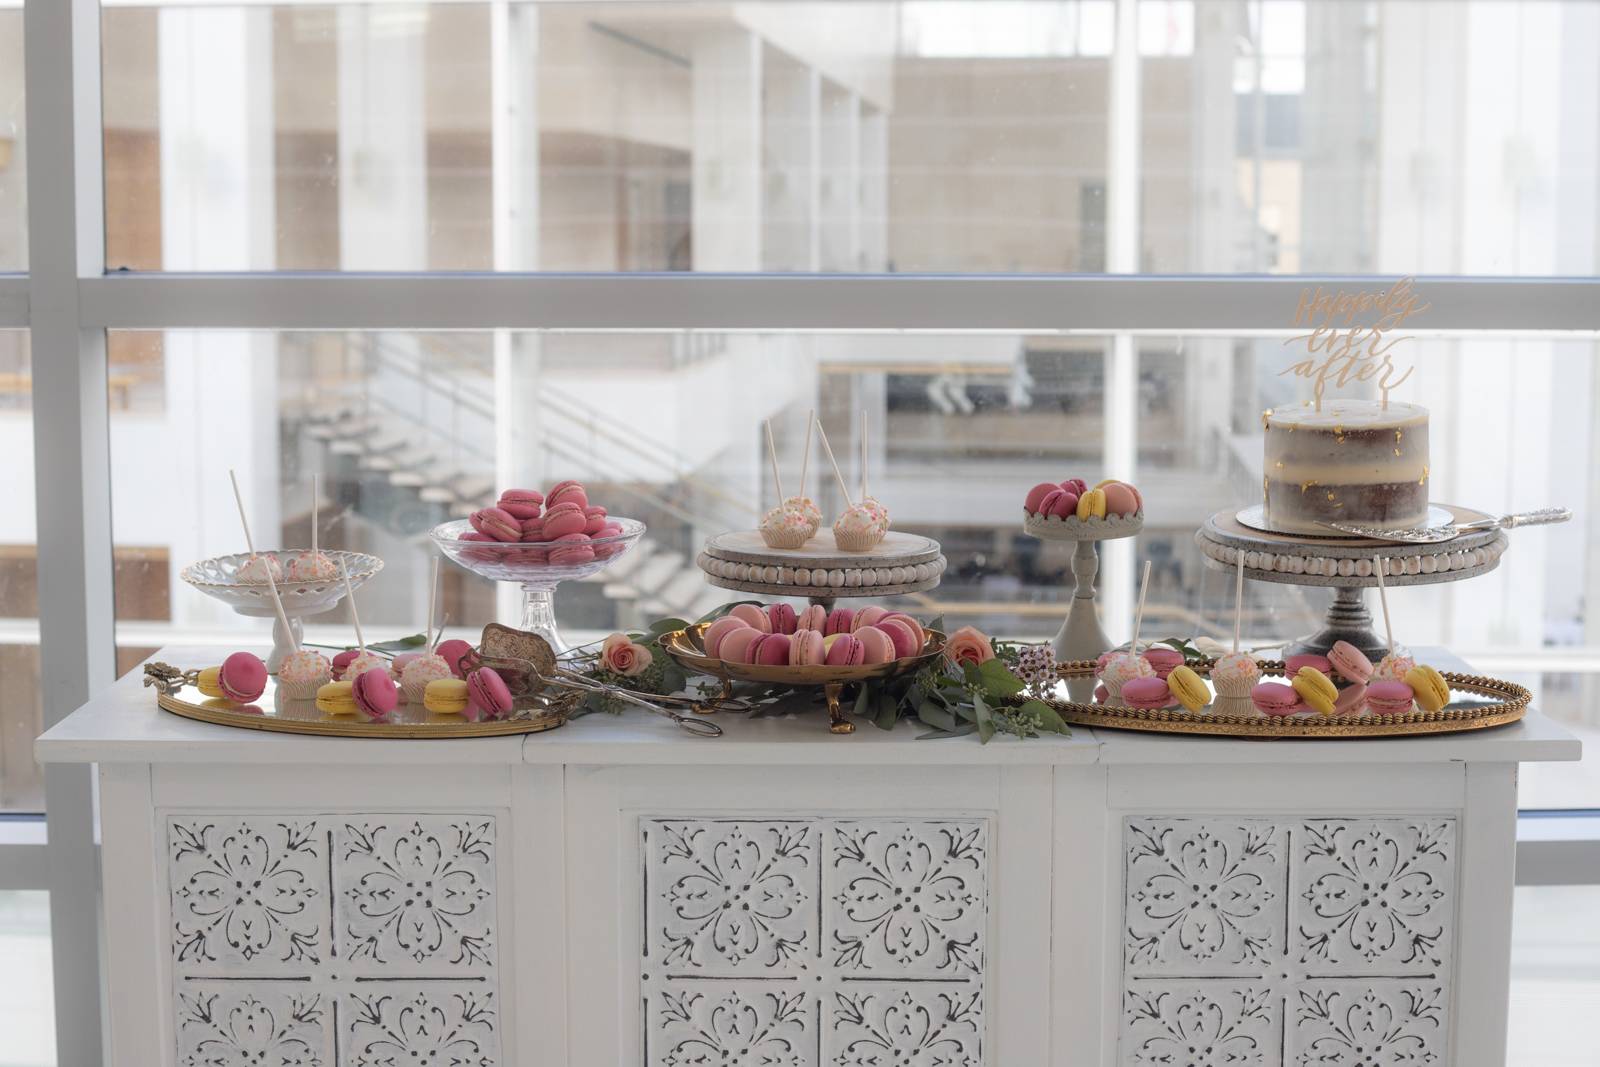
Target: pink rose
{"x":968,"y":645}
{"x":621,"y":656}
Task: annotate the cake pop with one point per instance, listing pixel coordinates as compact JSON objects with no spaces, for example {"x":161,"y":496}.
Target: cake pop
{"x":802,"y":503}
{"x":783,"y":526}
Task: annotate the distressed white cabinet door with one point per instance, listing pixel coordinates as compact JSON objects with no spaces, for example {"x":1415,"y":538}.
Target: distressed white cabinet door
{"x":844,"y":917}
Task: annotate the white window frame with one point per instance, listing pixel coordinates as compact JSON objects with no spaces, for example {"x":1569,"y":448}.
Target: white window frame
{"x":69,"y":302}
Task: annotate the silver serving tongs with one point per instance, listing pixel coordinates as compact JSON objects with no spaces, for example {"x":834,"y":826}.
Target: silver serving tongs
{"x":1428,"y":535}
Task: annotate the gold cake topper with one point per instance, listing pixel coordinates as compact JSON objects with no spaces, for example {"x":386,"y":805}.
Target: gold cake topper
{"x":1340,"y":349}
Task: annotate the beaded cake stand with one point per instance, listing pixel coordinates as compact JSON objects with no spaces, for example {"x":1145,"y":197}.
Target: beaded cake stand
{"x":1081,"y":636}
{"x":820,"y":569}
{"x":1346,"y":564}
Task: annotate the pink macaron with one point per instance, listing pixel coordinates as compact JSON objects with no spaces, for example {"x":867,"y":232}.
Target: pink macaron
{"x":1163,"y":659}
{"x":563,"y":519}
{"x":375,"y":694}
{"x":522,"y":503}
{"x":1120,"y":498}
{"x":1292,"y":664}
{"x":1350,"y":662}
{"x":488,"y":697}
{"x":572,"y":549}
{"x":532,"y":531}
{"x":770,"y":650}
{"x":782,"y":617}
{"x":242,"y":677}
{"x":867,"y":616}
{"x":717,"y":631}
{"x":1275,"y":698}
{"x":607,"y":532}
{"x":496,"y":523}
{"x":805,"y":649}
{"x":474,"y":535}
{"x":568,"y":492}
{"x":843,"y":650}
{"x":916,"y":627}
{"x":1352,"y":699}
{"x":903,"y":636}
{"x":736,"y":644}
{"x":1102,"y":695}
{"x":1390,"y":698}
{"x":812,"y":617}
{"x":594,"y":520}
{"x":1147,"y":693}
{"x":342,"y":661}
{"x":1077,"y":485}
{"x":451,"y":652}
{"x":876,"y":646}
{"x":840,"y":621}
{"x":1063,"y":504}
{"x":1036,"y":495}
{"x":753,"y":616}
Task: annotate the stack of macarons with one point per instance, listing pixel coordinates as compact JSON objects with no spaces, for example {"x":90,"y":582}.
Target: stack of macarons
{"x":241,"y":678}
{"x":1345,"y":682}
{"x":371,"y":693}
{"x":1074,"y":498}
{"x":561,"y":527}
{"x":778,"y":636}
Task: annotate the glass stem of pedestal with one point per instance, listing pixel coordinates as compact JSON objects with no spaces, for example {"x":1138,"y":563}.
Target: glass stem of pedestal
{"x":539,"y":614}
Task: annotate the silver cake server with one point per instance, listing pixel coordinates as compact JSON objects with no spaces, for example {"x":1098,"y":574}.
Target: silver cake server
{"x":1427,"y":535}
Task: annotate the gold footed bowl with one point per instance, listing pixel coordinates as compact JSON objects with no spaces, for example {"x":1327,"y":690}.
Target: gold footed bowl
{"x":1476,"y":703}
{"x":689,"y":649}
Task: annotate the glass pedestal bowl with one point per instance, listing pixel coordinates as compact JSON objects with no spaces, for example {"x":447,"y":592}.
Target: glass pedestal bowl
{"x":219,"y":578}
{"x":530,"y":566}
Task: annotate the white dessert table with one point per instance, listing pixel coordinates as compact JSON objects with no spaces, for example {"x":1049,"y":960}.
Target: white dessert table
{"x":617,"y":892}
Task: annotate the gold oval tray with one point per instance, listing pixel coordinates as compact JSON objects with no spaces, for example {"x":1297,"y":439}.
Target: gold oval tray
{"x":1476,"y":703}
{"x":689,"y":649}
{"x":177,"y":693}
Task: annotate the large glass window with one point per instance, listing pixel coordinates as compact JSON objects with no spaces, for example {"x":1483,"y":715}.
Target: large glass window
{"x":969,"y":136}
{"x":21,"y":782}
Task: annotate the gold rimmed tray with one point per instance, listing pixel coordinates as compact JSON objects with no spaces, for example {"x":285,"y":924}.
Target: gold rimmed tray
{"x":177,"y":693}
{"x":1476,"y":703}
{"x":689,"y":649}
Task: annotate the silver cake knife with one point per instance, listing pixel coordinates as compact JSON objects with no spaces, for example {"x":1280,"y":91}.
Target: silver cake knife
{"x":1427,"y":535}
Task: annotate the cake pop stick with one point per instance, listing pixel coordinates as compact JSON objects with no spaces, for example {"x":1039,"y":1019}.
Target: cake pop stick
{"x":863,"y":455}
{"x":314,"y":496}
{"x":843,"y":489}
{"x":1238,"y":600}
{"x":277,"y":603}
{"x":1383,"y":598}
{"x":805,"y":457}
{"x":1138,"y":616}
{"x":433,"y":588}
{"x":350,"y":595}
{"x":238,"y":499}
{"x":772,"y":454}
{"x":444,"y":620}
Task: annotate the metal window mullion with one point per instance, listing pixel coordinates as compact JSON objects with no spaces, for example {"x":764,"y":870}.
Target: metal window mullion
{"x":1012,"y":303}
{"x":66,"y":238}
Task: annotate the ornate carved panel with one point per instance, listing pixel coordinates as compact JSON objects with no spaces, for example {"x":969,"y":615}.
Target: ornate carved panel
{"x":361,"y":940}
{"x":816,"y":941}
{"x":1287,"y":942}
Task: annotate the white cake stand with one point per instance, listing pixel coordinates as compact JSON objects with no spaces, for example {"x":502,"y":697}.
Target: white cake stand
{"x":820,"y":570}
{"x":1346,"y":564}
{"x":1081,"y":636}
{"x":218,"y":578}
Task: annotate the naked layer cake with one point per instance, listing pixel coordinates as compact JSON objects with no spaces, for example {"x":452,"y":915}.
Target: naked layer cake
{"x":1353,"y":461}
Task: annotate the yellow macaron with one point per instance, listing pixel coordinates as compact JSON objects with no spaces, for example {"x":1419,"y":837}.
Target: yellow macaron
{"x":445,"y":696}
{"x":335,"y":698}
{"x":210,"y":682}
{"x":1433,"y":692}
{"x":1092,"y":504}
{"x":1188,"y":687}
{"x":1316,"y":689}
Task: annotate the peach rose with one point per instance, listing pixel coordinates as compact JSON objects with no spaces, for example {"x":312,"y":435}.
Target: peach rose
{"x":968,"y":645}
{"x":621,"y":656}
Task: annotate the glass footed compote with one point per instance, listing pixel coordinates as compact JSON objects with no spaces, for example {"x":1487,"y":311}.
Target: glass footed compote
{"x":529,"y":565}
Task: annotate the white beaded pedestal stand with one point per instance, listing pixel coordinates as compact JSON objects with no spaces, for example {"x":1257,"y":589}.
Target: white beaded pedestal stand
{"x":1081,"y":636}
{"x":820,"y":569}
{"x":1346,"y":565}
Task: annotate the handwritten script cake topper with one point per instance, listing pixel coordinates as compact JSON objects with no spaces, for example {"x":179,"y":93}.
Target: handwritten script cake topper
{"x":1340,"y":349}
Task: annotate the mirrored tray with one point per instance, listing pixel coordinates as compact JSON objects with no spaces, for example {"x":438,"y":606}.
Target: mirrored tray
{"x":177,"y":693}
{"x":689,"y":649}
{"x":1475,"y":704}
